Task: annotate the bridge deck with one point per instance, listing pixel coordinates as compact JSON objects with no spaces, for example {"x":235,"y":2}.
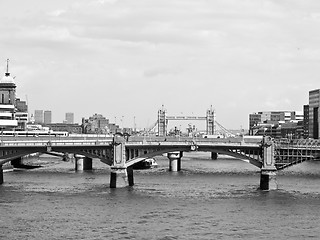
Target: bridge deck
{"x":287,"y":152}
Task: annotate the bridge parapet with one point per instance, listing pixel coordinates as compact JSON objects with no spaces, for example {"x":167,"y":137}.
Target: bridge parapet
{"x":55,"y":143}
{"x":298,"y":143}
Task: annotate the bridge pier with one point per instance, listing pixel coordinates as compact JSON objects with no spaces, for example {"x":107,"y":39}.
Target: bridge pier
{"x":268,"y":180}
{"x":175,"y":161}
{"x":1,"y":175}
{"x":268,"y":171}
{"x":121,"y":177}
{"x":214,"y":155}
{"x":82,"y":163}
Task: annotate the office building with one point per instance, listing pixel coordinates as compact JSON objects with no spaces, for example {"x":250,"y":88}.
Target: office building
{"x":305,"y":121}
{"x":47,"y":117}
{"x":277,"y":124}
{"x":38,"y":116}
{"x":95,"y":124}
{"x":314,"y":104}
{"x":69,"y":118}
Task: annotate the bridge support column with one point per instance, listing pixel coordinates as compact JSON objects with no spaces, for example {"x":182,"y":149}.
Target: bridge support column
{"x":175,"y":161}
{"x":1,"y":174}
{"x":82,"y":163}
{"x":268,"y":180}
{"x":268,"y":170}
{"x":121,"y":177}
{"x":214,"y":155}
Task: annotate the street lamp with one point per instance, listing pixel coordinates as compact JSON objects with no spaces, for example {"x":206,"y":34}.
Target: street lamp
{"x":1,"y":135}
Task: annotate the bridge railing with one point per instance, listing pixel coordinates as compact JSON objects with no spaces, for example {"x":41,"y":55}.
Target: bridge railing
{"x":300,"y":143}
{"x":55,"y":143}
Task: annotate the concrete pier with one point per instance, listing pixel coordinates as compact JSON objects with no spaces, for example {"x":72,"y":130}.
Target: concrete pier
{"x":82,"y":163}
{"x":121,"y":177}
{"x":1,"y":174}
{"x":268,"y":180}
{"x":175,"y":161}
{"x":214,"y":155}
{"x":268,"y":171}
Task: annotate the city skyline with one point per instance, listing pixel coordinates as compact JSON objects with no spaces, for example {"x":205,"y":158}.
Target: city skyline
{"x":125,"y":60}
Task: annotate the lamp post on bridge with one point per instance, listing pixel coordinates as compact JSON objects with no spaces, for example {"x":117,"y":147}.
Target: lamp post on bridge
{"x":1,"y":134}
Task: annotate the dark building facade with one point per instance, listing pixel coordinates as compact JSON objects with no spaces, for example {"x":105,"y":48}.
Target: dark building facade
{"x":314,"y":104}
{"x":21,"y":114}
{"x":306,"y":121}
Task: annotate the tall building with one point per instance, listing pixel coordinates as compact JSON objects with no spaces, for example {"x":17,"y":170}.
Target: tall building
{"x":69,"y":118}
{"x":7,"y":102}
{"x":305,"y":121}
{"x":38,"y":116}
{"x":47,"y":117}
{"x":314,"y":104}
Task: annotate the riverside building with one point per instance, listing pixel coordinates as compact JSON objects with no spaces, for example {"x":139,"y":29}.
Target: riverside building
{"x":277,"y":124}
{"x":13,"y":111}
{"x":314,"y":114}
{"x":7,"y":102}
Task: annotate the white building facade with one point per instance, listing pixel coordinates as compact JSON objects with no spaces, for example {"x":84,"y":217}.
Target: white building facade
{"x":7,"y":102}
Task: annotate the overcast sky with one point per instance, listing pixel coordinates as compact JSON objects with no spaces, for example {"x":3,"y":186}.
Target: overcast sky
{"x":129,"y":57}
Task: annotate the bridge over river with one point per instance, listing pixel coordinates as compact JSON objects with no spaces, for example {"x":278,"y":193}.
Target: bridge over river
{"x":121,"y":153}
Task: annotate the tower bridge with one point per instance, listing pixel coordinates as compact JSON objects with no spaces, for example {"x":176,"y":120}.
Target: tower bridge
{"x":163,"y":119}
{"x":212,"y":126}
{"x":121,"y":153}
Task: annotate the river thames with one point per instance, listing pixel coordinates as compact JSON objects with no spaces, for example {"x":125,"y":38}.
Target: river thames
{"x":208,"y":199}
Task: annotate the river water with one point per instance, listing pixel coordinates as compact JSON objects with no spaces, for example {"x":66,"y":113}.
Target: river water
{"x":208,"y":199}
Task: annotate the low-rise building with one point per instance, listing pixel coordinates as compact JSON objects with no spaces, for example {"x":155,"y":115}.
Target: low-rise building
{"x":277,"y":124}
{"x":65,"y":127}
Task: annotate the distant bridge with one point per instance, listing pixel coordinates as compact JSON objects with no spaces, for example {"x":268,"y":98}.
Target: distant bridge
{"x":160,"y":127}
{"x":121,"y":153}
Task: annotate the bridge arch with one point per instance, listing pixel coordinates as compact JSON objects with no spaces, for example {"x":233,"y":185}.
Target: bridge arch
{"x":103,"y":153}
{"x":155,"y":153}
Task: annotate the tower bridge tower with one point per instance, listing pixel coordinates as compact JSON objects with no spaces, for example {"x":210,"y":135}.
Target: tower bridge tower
{"x":211,"y":120}
{"x":162,"y":122}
